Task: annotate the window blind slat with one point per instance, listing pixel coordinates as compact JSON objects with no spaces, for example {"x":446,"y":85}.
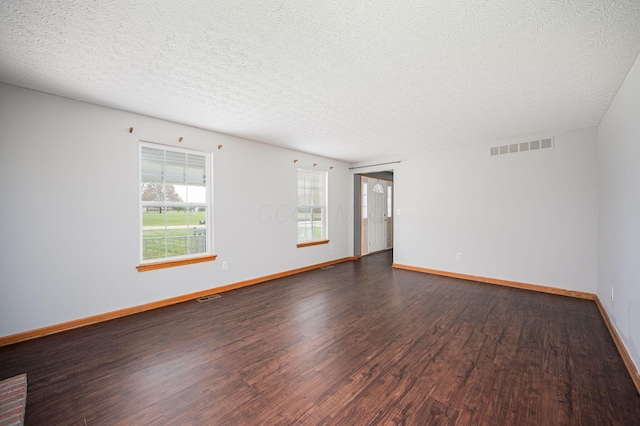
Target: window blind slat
{"x":152,"y":164}
{"x":176,"y":164}
{"x":196,"y":170}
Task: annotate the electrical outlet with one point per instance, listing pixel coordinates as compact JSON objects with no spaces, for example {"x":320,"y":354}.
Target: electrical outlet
{"x":612,"y":294}
{"x":225,"y":265}
{"x":458,"y":256}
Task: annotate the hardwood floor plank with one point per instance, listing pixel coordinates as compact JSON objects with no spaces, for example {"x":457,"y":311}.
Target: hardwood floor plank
{"x":360,"y":343}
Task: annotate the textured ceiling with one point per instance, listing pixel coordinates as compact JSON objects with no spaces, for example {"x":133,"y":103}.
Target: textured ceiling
{"x":348,"y":79}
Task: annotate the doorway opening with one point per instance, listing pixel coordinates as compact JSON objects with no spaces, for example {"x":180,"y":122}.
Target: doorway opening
{"x":373,"y":221}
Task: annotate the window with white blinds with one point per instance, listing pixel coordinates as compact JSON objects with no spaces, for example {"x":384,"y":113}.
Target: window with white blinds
{"x":312,"y":206}
{"x":175,"y":203}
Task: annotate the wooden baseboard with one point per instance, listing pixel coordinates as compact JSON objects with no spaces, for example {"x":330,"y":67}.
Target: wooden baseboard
{"x":626,"y":358}
{"x":633,"y":371}
{"x":57,"y":328}
{"x":507,"y":283}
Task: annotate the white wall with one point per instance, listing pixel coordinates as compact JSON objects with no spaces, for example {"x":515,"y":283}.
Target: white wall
{"x":69,"y":215}
{"x":619,"y":212}
{"x":529,"y":217}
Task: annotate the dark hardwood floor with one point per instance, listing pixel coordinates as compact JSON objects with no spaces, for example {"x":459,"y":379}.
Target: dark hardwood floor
{"x":360,"y":343}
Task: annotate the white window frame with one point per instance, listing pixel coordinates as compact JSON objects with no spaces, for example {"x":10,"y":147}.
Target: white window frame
{"x":205,"y":255}
{"x":303,"y":208}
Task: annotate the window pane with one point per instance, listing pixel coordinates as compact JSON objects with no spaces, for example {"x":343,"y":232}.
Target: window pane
{"x":304,"y":223}
{"x":197,"y":232}
{"x":196,"y":194}
{"x":153,"y":245}
{"x":175,"y":167}
{"x":152,"y":164}
{"x":316,"y":214}
{"x":152,"y":191}
{"x":316,"y":223}
{"x":196,"y":170}
{"x":154,"y":216}
{"x":154,"y":223}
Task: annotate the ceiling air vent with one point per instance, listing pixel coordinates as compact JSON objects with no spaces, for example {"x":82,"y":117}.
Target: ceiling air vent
{"x":513,"y":148}
{"x":546,"y":143}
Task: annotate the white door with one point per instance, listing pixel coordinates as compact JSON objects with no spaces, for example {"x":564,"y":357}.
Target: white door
{"x":377,"y":213}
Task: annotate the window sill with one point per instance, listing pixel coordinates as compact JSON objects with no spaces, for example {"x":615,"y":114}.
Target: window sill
{"x":312,"y":243}
{"x":171,"y":263}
